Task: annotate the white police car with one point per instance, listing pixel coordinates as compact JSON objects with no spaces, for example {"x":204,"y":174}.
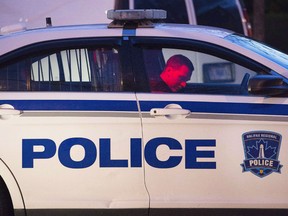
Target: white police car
{"x":83,"y":133}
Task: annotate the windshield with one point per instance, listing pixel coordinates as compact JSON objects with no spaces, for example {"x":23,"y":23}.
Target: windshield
{"x":261,"y":49}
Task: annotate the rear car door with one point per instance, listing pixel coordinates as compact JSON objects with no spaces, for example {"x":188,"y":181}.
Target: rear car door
{"x":211,"y":146}
{"x":70,"y":127}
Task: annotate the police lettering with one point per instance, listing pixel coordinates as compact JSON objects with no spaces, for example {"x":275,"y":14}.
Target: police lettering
{"x":261,"y":163}
{"x":49,"y":149}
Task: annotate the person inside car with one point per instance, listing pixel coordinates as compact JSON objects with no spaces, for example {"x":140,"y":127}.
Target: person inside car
{"x":177,"y":72}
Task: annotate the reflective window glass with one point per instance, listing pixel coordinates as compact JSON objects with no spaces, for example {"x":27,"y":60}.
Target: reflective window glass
{"x":172,"y":70}
{"x":81,"y":69}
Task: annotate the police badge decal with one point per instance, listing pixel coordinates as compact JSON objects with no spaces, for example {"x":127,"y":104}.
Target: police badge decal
{"x":261,"y":149}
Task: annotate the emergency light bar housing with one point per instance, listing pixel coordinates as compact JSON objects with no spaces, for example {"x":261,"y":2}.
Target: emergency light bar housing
{"x":140,"y":17}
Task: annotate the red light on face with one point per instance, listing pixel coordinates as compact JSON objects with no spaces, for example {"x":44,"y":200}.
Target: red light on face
{"x":176,"y":78}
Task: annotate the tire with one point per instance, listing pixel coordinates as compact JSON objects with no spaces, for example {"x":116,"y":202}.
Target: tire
{"x":6,"y":206}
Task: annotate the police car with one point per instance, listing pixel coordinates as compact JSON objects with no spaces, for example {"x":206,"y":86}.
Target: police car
{"x":83,"y":132}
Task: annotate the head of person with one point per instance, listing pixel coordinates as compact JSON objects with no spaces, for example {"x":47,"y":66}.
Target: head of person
{"x":177,"y":72}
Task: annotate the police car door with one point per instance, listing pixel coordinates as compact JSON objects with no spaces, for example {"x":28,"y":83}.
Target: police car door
{"x":70,"y":127}
{"x":211,"y":145}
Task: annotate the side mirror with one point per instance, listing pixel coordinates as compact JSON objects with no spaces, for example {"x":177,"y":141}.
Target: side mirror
{"x":268,"y":85}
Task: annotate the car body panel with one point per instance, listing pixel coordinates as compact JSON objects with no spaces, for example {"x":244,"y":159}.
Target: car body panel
{"x":225,"y":184}
{"x":83,"y":120}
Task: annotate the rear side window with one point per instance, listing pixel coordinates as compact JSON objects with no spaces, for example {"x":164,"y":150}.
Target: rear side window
{"x":219,"y":13}
{"x":81,"y":69}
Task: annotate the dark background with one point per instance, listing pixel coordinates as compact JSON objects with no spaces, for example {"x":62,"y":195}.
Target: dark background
{"x":275,"y":20}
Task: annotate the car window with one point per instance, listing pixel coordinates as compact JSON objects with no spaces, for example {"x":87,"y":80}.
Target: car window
{"x":218,"y":13}
{"x":81,"y":69}
{"x":176,"y":9}
{"x":211,"y":74}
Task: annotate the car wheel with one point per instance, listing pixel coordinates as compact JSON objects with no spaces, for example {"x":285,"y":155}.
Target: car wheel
{"x":6,"y":206}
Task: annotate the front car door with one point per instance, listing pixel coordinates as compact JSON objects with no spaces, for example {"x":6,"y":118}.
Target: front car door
{"x":211,"y":146}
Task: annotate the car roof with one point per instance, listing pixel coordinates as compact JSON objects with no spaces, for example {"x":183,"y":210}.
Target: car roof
{"x":11,"y":41}
{"x":14,"y":40}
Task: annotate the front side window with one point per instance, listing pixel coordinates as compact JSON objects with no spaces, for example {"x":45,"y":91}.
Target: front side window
{"x":171,"y":70}
{"x":81,"y":69}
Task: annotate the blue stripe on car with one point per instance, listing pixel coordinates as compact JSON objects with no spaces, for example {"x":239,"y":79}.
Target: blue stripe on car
{"x":221,"y":107}
{"x":72,"y":105}
{"x":146,"y":106}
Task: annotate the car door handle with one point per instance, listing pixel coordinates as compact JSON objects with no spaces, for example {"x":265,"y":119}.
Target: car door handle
{"x":170,"y":111}
{"x":7,"y":111}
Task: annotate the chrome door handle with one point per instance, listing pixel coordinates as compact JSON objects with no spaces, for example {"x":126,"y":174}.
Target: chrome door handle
{"x":170,"y":111}
{"x":7,"y":111}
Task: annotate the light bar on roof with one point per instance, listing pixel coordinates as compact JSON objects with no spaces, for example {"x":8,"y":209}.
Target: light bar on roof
{"x":140,"y":14}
